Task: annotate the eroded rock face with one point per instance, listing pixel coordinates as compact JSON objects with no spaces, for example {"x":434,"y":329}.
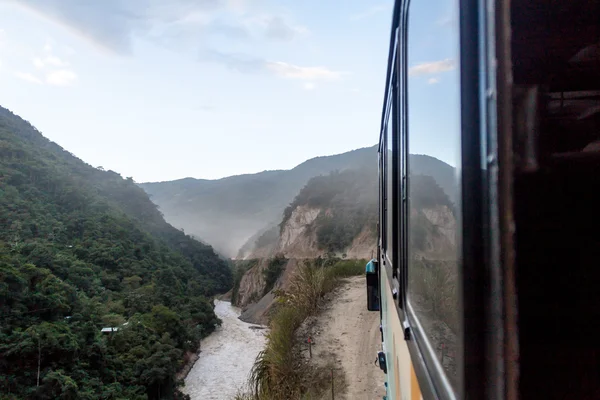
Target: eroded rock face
{"x":296,"y":239}
{"x":297,"y":242}
{"x":443,"y":218}
{"x":252,"y":285}
{"x":255,"y":306}
{"x":441,"y":242}
{"x":364,"y":246}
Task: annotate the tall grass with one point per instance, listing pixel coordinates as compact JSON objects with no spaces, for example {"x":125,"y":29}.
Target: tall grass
{"x":277,"y":373}
{"x":435,"y":283}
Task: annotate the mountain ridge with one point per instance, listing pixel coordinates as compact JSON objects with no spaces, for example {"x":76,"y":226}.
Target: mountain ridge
{"x":335,"y":217}
{"x":228,"y":211}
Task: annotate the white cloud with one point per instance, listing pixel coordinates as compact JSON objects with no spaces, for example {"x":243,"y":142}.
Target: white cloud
{"x":26,"y":76}
{"x":291,"y":71}
{"x":237,"y":5}
{"x":372,"y":11}
{"x":432,"y":67}
{"x":69,"y":50}
{"x":249,"y":64}
{"x":277,"y":28}
{"x":114,"y":24}
{"x":2,"y":41}
{"x":433,"y":81}
{"x":447,"y":20}
{"x":61,"y":77}
{"x":50,"y":61}
{"x":38,"y":63}
{"x":55,"y":68}
{"x":309,"y":86}
{"x":55,"y":61}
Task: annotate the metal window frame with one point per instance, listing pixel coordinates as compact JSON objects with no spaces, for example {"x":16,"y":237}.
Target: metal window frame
{"x":435,"y":383}
{"x":480,"y":267}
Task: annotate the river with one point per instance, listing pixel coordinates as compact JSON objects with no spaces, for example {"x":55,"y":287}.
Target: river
{"x":226,"y":358}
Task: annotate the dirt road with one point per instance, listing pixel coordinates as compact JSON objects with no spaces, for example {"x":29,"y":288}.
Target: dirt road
{"x":346,"y":333}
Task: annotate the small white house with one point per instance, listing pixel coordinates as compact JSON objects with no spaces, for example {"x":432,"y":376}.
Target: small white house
{"x":112,"y":329}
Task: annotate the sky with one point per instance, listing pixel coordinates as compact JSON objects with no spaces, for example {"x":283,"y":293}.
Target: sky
{"x":166,"y":89}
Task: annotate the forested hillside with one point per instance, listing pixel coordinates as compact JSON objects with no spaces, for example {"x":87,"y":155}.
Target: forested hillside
{"x":83,"y":249}
{"x":349,"y":203}
{"x":227,"y":212}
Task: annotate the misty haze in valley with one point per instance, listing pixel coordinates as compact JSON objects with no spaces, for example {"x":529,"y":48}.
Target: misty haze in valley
{"x":232,"y":212}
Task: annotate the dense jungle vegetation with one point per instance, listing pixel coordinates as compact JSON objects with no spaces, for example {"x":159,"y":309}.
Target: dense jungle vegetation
{"x":350,"y":198}
{"x":83,"y":249}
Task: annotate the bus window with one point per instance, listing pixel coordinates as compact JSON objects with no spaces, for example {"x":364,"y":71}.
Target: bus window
{"x":391,"y":196}
{"x":382,"y":202}
{"x":433,"y":102}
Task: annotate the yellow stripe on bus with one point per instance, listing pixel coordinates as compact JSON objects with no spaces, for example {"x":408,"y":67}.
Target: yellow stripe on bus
{"x":415,"y":390}
{"x":396,"y":370}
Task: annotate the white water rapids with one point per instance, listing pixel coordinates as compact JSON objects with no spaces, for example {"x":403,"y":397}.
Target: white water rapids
{"x":226,"y":357}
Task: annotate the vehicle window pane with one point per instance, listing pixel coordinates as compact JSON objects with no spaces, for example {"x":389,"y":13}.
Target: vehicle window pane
{"x":382,"y":193}
{"x":390,"y":187}
{"x":434,"y":145}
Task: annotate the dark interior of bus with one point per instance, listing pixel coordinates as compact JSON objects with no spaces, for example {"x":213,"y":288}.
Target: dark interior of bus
{"x":555,"y":48}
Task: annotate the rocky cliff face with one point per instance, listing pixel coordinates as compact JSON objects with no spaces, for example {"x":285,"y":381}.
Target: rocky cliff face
{"x":335,"y":215}
{"x":440,"y":242}
{"x":297,"y":242}
{"x":298,"y":239}
{"x":251,"y":298}
{"x":364,"y":246}
{"x":251,"y":285}
{"x":258,"y":311}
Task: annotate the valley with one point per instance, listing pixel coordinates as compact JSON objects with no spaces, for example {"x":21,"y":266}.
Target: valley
{"x":96,"y":270}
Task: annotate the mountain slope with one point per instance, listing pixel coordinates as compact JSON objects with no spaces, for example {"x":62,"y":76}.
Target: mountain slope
{"x":329,"y":213}
{"x":335,"y":215}
{"x":228,"y":211}
{"x":82,"y":249}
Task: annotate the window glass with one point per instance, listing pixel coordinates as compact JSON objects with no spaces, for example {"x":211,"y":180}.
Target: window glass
{"x":434,"y":145}
{"x":380,"y":201}
{"x":382,"y":194}
{"x":390,"y":188}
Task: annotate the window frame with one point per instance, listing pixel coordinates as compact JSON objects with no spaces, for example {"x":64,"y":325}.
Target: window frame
{"x":477,"y":173}
{"x":382,"y":197}
{"x":392,"y":132}
{"x":431,"y":376}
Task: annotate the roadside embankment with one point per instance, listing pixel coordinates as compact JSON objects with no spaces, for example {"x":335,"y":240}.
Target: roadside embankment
{"x":283,"y":369}
{"x":345,"y":334}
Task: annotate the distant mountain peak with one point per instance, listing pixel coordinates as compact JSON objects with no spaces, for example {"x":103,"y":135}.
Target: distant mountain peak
{"x":227,"y":212}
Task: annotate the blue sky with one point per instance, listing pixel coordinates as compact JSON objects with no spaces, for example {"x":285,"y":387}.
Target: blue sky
{"x":161,"y":90}
{"x":433,"y":87}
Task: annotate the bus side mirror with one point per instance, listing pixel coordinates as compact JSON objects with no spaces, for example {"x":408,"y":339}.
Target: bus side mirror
{"x":372,"y":276}
{"x":382,"y":361}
